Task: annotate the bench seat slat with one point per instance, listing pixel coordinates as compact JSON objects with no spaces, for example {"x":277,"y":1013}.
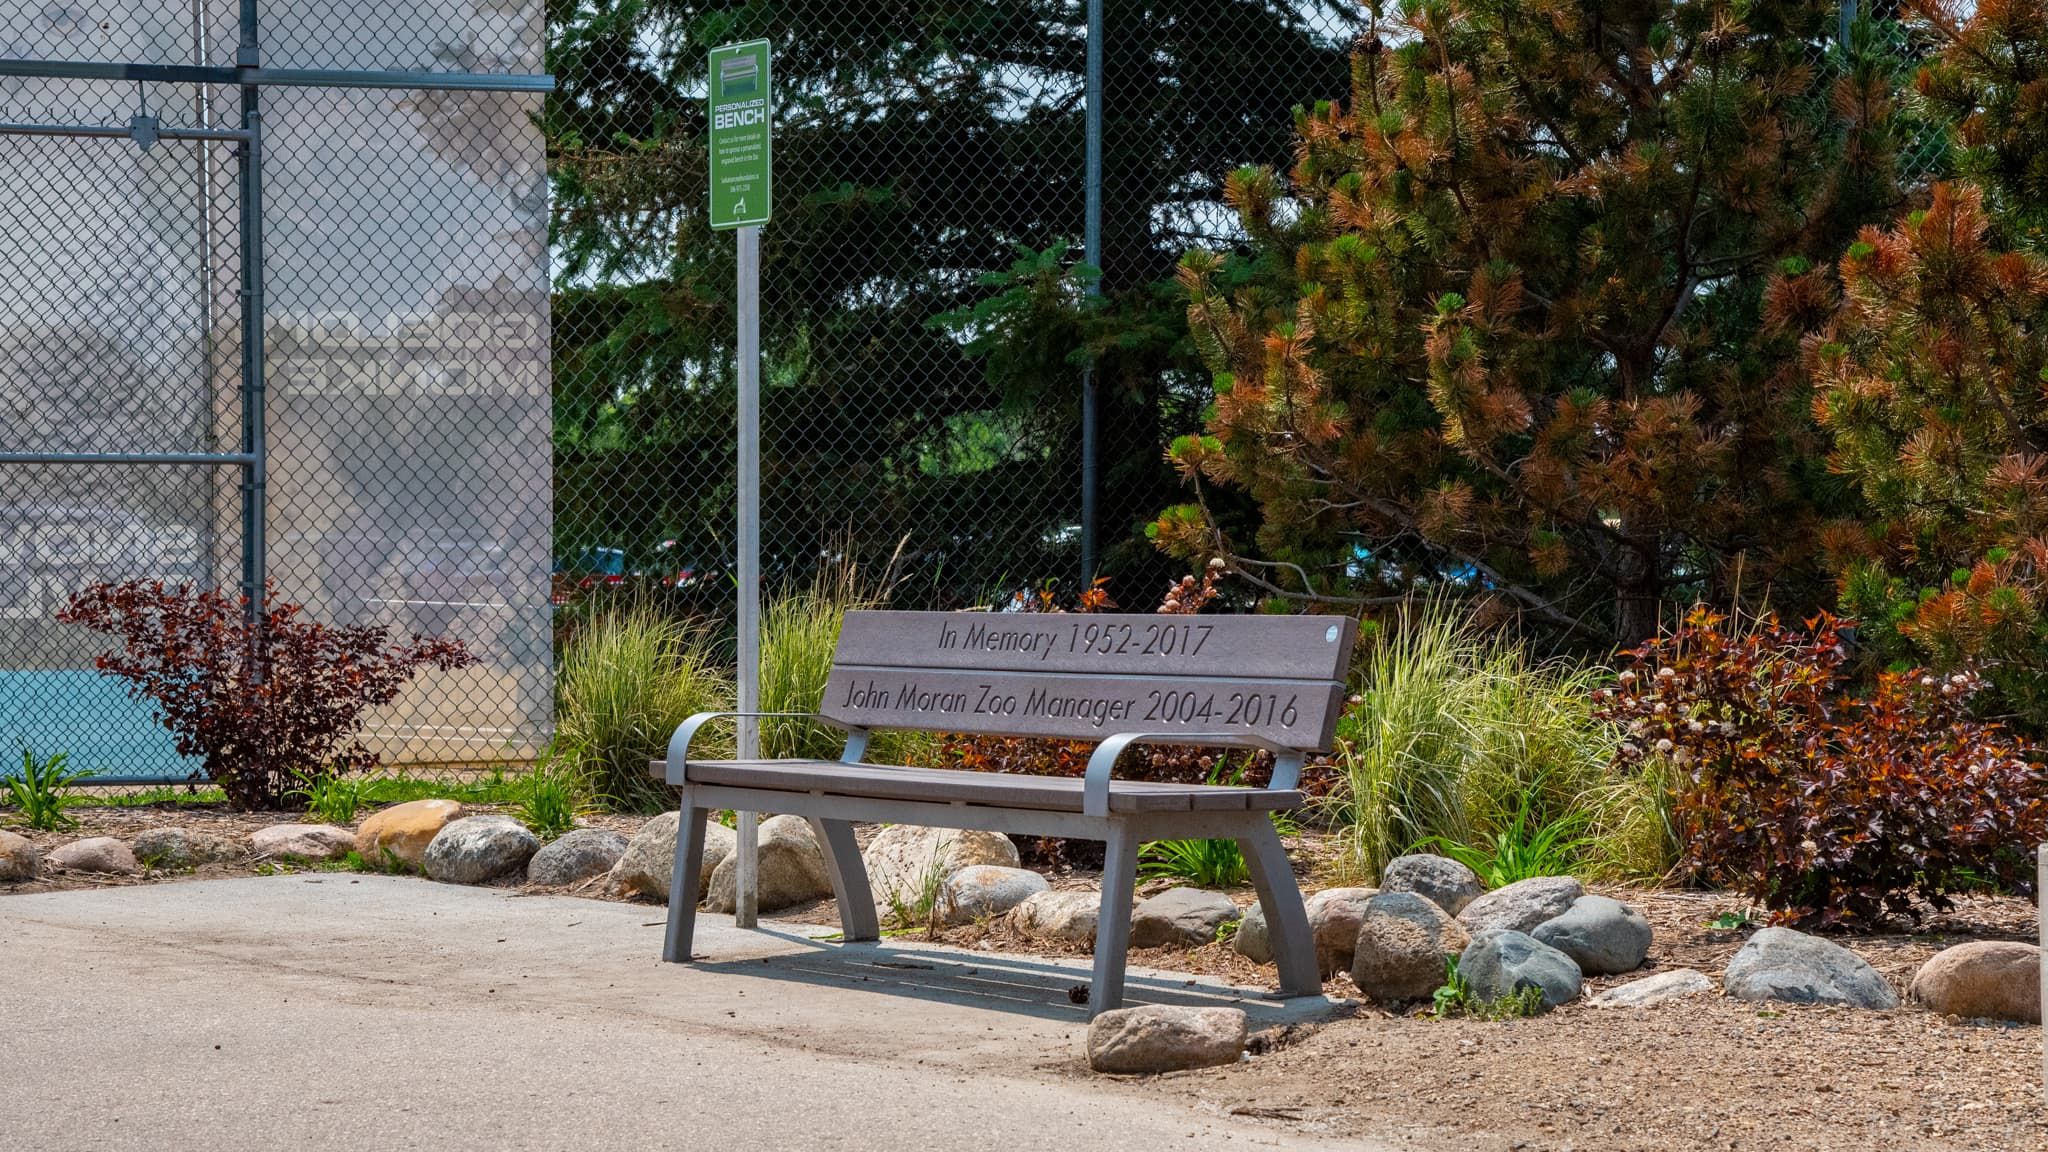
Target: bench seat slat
{"x":991,"y":789}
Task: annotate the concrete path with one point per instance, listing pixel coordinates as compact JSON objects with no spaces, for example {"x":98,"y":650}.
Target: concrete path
{"x":341,"y":1011}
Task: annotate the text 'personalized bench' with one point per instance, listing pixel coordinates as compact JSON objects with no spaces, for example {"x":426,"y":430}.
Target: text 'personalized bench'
{"x":1268,"y":682}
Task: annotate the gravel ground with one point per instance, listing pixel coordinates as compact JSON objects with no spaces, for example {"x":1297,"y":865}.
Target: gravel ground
{"x":1703,"y":1073}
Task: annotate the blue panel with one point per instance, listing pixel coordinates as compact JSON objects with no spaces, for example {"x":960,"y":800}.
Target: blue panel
{"x":89,"y":717}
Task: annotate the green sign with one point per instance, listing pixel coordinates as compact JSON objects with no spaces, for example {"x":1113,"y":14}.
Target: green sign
{"x":740,"y":166}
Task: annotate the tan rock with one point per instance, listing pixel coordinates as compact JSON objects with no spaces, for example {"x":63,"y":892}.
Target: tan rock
{"x":302,"y":841}
{"x":902,"y":857}
{"x":792,"y":869}
{"x":648,"y":867}
{"x":19,"y":859}
{"x":405,"y":830}
{"x":1983,"y":980}
{"x":1334,"y":915}
{"x":96,"y":854}
{"x":1064,"y":916}
{"x":1165,"y":1038}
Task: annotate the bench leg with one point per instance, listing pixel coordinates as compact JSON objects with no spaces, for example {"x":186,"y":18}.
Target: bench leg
{"x":1113,"y":921}
{"x":1294,"y":946}
{"x":684,"y":882}
{"x":857,"y":919}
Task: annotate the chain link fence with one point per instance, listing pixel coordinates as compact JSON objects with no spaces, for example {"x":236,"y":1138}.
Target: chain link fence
{"x":274,"y":300}
{"x":497,"y":333}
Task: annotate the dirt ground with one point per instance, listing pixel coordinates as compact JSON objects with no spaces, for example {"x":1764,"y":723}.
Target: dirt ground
{"x":1702,"y":1073}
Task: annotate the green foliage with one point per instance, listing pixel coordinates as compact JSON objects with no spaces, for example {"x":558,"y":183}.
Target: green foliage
{"x":926,"y":145}
{"x":1498,"y":329}
{"x":799,"y":631}
{"x":1455,"y":739}
{"x":1928,"y":376}
{"x":1828,"y":807}
{"x":1985,"y":78}
{"x":1203,"y":863}
{"x":548,"y":799}
{"x":919,"y":909}
{"x":626,"y":679}
{"x":173,"y":795}
{"x":1455,"y":998}
{"x":42,"y":790}
{"x":331,"y":799}
{"x":1207,"y":863}
{"x":1450,"y":999}
{"x":1524,"y":848}
{"x":1736,"y":921}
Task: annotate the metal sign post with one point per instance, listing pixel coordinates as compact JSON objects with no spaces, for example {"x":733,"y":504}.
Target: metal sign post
{"x":741,"y":196}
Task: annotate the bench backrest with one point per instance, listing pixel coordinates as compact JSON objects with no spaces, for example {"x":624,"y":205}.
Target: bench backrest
{"x":1088,"y":676}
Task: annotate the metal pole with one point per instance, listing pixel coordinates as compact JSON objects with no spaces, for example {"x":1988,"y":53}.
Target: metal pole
{"x":745,"y":890}
{"x":1848,"y":21}
{"x":255,"y":473}
{"x":1091,"y":247}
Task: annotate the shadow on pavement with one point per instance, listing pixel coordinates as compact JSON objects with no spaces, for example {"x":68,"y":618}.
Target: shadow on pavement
{"x":1024,"y":985}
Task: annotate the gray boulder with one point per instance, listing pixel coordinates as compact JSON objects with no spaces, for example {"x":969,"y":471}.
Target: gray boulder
{"x":1650,"y":990}
{"x":576,"y":857}
{"x":479,"y":849}
{"x":180,"y":848}
{"x":1521,"y":906}
{"x":101,"y":854}
{"x":19,"y":858}
{"x":650,"y":860}
{"x":986,"y":891}
{"x":1500,"y":962}
{"x":1404,"y":944}
{"x":301,"y":842}
{"x":1180,"y":916}
{"x":1251,"y":940}
{"x":792,"y":869}
{"x":1781,"y":964}
{"x":1604,"y":937}
{"x":1068,"y":917}
{"x":1443,"y":880}
{"x":1334,"y":915}
{"x":1163,"y":1038}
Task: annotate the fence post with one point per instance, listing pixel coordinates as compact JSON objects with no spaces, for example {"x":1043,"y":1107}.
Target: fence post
{"x":255,"y":444}
{"x":1091,"y":251}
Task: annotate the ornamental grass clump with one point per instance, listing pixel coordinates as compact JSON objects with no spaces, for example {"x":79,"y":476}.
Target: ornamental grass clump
{"x":1828,"y":807}
{"x":626,"y":680}
{"x":1460,"y":744}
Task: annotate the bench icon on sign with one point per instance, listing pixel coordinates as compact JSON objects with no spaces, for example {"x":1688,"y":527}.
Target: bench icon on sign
{"x":738,"y":76}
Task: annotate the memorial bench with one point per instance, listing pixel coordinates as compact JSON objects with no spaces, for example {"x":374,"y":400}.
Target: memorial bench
{"x":1265,"y":682}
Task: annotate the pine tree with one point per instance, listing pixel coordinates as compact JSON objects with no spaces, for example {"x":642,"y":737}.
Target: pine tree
{"x":1501,"y":325}
{"x":1990,"y":77}
{"x":1930,"y":378}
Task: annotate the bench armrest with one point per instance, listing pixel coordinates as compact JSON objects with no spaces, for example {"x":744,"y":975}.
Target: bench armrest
{"x":1095,"y":787}
{"x":679,"y":744}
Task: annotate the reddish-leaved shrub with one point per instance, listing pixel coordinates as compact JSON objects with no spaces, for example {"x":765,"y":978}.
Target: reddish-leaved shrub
{"x":1831,"y":809}
{"x":265,"y":718}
